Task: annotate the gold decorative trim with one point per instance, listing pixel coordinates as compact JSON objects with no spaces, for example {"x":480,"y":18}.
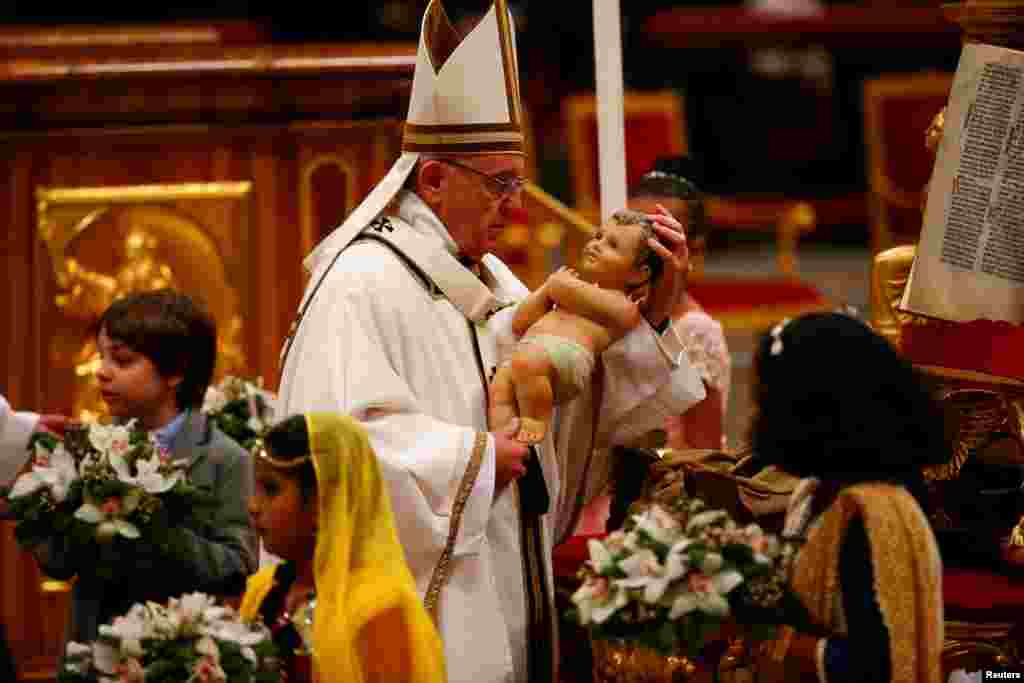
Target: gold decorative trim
{"x":308,"y":230}
{"x":509,"y":63}
{"x":428,"y":128}
{"x":442,"y":572}
{"x":462,"y":138}
{"x":143,"y":193}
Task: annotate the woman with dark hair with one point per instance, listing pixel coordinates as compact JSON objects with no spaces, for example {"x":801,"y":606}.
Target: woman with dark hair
{"x":840,"y":408}
{"x":673,"y":184}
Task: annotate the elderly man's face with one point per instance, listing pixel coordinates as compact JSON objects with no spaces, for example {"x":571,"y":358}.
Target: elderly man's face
{"x":472,"y":207}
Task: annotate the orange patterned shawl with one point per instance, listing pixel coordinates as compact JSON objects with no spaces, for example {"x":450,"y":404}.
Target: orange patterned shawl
{"x":907,"y":575}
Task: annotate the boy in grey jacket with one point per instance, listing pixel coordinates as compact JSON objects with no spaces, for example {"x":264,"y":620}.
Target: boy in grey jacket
{"x":157,"y":352}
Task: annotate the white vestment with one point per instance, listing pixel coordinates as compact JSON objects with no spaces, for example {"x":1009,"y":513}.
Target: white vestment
{"x":378,"y":344}
{"x":15,"y":430}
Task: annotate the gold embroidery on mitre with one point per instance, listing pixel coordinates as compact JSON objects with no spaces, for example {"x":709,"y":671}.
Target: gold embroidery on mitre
{"x":440,"y":36}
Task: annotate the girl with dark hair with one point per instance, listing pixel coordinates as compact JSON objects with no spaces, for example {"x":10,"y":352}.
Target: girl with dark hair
{"x":840,"y":408}
{"x":344,"y":599}
{"x":673,"y":184}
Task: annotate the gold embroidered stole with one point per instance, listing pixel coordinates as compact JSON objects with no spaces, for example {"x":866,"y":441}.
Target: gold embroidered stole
{"x":907,"y":575}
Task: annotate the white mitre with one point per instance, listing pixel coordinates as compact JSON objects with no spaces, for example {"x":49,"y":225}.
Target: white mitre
{"x":465,"y":101}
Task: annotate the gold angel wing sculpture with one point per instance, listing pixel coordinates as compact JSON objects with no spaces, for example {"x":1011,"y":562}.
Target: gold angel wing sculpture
{"x":976,"y":414}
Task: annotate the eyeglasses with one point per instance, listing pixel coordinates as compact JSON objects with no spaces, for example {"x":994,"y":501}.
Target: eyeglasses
{"x":500,"y":184}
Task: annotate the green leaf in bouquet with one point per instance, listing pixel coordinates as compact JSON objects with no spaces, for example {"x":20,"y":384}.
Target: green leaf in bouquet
{"x":648,"y":541}
{"x":101,"y":489}
{"x":267,"y":653}
{"x":738,"y":554}
{"x":138,"y":437}
{"x":235,"y":665}
{"x":67,"y":676}
{"x":45,"y":439}
{"x":696,"y":552}
{"x":172,"y":670}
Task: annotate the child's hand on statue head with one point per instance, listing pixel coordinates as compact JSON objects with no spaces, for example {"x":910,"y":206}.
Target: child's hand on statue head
{"x":670,"y":244}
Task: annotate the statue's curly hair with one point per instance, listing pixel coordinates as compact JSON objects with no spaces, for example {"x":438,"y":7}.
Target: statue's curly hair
{"x":646,"y":256}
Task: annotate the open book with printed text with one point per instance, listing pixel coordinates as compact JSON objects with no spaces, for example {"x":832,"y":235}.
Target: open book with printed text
{"x":970,"y":258}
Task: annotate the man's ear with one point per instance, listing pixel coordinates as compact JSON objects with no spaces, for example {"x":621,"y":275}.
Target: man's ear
{"x":430,"y":180}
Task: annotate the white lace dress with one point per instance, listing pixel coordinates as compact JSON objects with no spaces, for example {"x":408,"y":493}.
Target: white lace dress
{"x":705,"y":346}
{"x":704,"y":341}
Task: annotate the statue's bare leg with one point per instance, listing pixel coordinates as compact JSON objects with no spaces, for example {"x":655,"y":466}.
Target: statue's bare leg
{"x":502,"y":410}
{"x":531,"y":377}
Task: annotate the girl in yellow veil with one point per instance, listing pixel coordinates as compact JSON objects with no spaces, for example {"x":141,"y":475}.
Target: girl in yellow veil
{"x":344,"y":592}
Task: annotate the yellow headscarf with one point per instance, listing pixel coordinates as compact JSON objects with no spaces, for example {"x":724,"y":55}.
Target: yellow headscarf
{"x":362,"y":580}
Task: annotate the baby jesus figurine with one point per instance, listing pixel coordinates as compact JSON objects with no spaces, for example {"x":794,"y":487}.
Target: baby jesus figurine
{"x":574,"y":316}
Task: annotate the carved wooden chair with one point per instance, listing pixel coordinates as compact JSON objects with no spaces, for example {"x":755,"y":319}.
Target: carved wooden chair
{"x":897,"y":111}
{"x":655,"y":126}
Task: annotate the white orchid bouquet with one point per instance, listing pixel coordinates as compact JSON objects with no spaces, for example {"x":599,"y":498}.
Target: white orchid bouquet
{"x":191,"y":639}
{"x":240,"y":408}
{"x":671,"y":576}
{"x":102,"y":482}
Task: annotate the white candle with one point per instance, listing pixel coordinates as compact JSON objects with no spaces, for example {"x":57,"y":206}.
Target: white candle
{"x":611,"y":134}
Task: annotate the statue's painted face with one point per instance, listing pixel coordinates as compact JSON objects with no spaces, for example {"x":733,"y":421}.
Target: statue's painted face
{"x":611,"y":258}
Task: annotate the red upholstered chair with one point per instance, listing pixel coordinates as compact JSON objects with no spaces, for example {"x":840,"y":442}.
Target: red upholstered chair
{"x":898,"y":109}
{"x":655,"y":126}
{"x":984,"y":613}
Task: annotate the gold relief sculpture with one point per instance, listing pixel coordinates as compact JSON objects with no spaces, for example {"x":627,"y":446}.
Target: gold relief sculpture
{"x":889,"y":276}
{"x":976,"y":413}
{"x":108,"y":242}
{"x":890,"y":269}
